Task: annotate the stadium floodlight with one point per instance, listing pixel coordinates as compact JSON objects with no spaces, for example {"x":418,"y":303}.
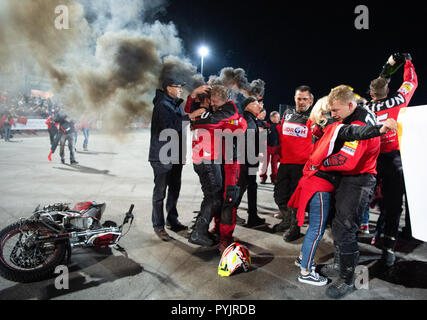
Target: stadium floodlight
{"x":203,"y":52}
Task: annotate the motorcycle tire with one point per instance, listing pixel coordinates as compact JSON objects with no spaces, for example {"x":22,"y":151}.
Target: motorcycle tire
{"x":45,"y":263}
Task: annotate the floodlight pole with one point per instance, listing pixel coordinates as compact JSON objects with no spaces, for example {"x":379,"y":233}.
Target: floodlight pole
{"x":201,"y":71}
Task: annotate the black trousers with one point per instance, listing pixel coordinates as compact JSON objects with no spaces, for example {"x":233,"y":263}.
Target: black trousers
{"x":166,"y":178}
{"x":210,"y":177}
{"x":248,"y":182}
{"x":287,"y":180}
{"x":389,"y":166}
{"x":52,"y":134}
{"x":351,"y":198}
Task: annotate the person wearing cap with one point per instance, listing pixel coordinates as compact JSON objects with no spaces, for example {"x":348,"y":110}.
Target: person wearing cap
{"x":248,"y":169}
{"x":168,"y":115}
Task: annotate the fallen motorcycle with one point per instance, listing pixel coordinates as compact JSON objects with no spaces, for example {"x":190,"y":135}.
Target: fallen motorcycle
{"x":32,"y":248}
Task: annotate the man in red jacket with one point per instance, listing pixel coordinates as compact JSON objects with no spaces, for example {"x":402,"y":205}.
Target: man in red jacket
{"x":295,"y":147}
{"x":218,"y":179}
{"x":51,"y":128}
{"x":389,"y":161}
{"x":356,"y":161}
{"x":7,"y":122}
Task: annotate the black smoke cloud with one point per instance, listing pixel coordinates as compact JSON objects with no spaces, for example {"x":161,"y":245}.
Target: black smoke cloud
{"x":181,"y":70}
{"x":237,"y":81}
{"x":110,"y":61}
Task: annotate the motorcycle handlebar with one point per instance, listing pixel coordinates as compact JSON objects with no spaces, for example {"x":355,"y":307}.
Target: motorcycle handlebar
{"x":128,"y":216}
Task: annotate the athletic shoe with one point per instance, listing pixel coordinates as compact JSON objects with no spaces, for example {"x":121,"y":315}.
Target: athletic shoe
{"x":364,"y":228}
{"x":313,"y":278}
{"x":298,"y":264}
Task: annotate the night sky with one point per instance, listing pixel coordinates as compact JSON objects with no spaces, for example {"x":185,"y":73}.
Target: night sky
{"x":288,"y":44}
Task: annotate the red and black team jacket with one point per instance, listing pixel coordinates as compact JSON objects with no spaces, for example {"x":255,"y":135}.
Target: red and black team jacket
{"x":355,"y":157}
{"x":208,"y":130}
{"x":324,"y":145}
{"x":389,"y":107}
{"x":50,"y":122}
{"x":295,"y":137}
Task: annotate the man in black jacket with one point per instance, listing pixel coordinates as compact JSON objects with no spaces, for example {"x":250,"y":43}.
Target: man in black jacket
{"x":65,"y":134}
{"x":248,"y":170}
{"x":167,"y":125}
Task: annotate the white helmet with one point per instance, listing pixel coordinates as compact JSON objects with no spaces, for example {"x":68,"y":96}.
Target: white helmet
{"x":234,"y":258}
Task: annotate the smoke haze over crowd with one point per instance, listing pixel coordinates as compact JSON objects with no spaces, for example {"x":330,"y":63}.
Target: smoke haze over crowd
{"x":110,"y":60}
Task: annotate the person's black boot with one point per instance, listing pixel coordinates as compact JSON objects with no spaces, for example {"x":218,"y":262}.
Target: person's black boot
{"x":286,"y":220}
{"x":193,"y":223}
{"x":255,"y":221}
{"x":200,"y":234}
{"x":345,"y":284}
{"x":388,"y":256}
{"x":332,"y":270}
{"x":294,"y":230}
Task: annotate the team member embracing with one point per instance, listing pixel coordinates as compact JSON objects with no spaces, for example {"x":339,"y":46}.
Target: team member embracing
{"x":315,"y":189}
{"x":167,"y":114}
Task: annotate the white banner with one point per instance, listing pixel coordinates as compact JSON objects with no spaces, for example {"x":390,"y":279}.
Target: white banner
{"x":412,"y":138}
{"x":32,"y":124}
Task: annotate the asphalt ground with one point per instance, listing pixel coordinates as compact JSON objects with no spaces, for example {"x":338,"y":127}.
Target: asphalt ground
{"x":117,"y":172}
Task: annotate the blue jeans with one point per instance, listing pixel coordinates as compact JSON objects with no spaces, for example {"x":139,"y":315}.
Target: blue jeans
{"x":86,"y":135}
{"x":7,"y":133}
{"x":167,"y":178}
{"x":318,"y":214}
{"x":365,"y":217}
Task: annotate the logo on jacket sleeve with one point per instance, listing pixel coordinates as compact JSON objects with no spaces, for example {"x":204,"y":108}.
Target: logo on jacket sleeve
{"x":335,"y":161}
{"x":295,"y":130}
{"x":350,"y":147}
{"x":406,"y":88}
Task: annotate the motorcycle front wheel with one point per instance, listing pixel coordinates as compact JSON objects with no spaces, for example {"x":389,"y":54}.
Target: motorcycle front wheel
{"x":22,"y":259}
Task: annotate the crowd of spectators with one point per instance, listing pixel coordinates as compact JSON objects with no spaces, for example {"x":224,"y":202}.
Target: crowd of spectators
{"x":22,"y":105}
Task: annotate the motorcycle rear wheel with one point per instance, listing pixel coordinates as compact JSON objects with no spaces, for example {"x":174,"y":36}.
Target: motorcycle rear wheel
{"x":22,"y":259}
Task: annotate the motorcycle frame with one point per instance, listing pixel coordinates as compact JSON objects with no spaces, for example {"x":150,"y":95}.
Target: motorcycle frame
{"x":73,"y":238}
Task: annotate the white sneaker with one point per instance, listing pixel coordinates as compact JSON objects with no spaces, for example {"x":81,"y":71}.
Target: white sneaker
{"x":313,"y":278}
{"x":364,"y":228}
